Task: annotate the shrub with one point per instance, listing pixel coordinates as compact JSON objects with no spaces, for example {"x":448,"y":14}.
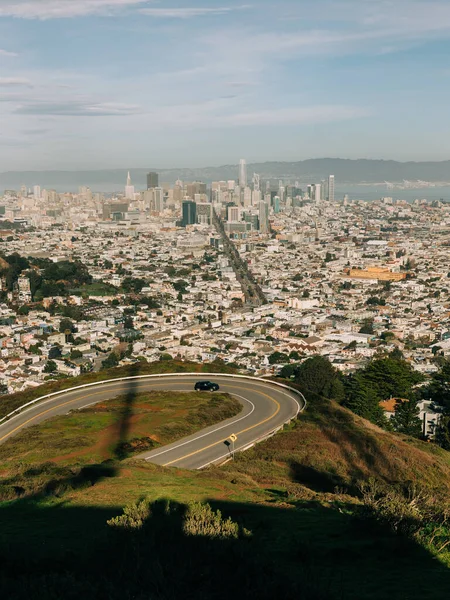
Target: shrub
{"x":134,"y":516}
{"x":201,"y":520}
{"x":423,"y":515}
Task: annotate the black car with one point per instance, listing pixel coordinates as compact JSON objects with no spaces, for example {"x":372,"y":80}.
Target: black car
{"x":206,"y":386}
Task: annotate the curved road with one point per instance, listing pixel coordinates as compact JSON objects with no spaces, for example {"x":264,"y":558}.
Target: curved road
{"x":265,"y":407}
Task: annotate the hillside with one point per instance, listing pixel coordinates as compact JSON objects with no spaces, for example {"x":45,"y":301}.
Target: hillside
{"x":345,"y":170}
{"x":311,"y":517}
{"x":332,"y":450}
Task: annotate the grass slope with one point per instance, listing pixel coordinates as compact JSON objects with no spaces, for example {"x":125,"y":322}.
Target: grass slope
{"x":43,"y":456}
{"x":331,"y":450}
{"x":297,"y":493}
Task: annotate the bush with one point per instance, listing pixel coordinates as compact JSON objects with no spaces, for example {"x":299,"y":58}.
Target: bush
{"x":423,"y":515}
{"x":201,"y":520}
{"x":134,"y":516}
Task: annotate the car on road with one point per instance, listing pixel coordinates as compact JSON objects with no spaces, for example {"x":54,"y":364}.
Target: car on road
{"x":206,"y":386}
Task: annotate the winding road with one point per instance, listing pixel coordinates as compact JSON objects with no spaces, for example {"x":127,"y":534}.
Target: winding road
{"x":266,"y":406}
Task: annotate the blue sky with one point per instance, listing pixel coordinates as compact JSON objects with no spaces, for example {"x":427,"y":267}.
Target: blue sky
{"x":137,"y":83}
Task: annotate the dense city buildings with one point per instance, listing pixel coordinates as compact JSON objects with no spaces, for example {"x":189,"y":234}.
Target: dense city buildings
{"x":225,"y":270}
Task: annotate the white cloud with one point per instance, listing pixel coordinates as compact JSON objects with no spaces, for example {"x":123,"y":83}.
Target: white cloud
{"x":59,"y":9}
{"x":223,"y":113}
{"x":75,"y":108}
{"x":7,"y":53}
{"x":187,"y":13}
{"x":12,"y":81}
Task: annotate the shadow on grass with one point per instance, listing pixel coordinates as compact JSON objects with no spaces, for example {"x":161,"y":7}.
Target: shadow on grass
{"x":126,"y":413}
{"x":50,"y":479}
{"x":306,"y":552}
{"x":315,"y":479}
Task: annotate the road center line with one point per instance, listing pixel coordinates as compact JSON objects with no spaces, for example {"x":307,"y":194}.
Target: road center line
{"x":209,"y":432}
{"x":238,"y":433}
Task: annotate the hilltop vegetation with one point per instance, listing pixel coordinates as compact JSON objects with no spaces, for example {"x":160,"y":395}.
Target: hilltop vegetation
{"x":37,"y":459}
{"x":332,"y":507}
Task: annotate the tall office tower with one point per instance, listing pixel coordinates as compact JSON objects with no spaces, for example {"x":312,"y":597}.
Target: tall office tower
{"x":177,"y":194}
{"x":331,"y":188}
{"x":247,"y":197}
{"x":256,"y":197}
{"x":158,"y":200}
{"x":243,"y":173}
{"x":268,"y":186}
{"x":204,"y":212}
{"x":234,"y":213}
{"x":317,"y":192}
{"x":129,"y":189}
{"x":147,"y":200}
{"x":263,"y":217}
{"x":195,"y":187}
{"x":256,"y":182}
{"x":152,"y":180}
{"x":276,"y":205}
{"x":324,"y":189}
{"x":189,"y":213}
{"x":37,"y":191}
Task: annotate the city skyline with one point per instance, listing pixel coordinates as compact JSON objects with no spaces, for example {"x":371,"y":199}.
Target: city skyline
{"x":291,"y":81}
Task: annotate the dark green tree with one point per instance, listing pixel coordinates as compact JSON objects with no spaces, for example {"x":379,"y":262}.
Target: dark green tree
{"x":50,"y":367}
{"x":406,"y":418}
{"x":128,"y":322}
{"x":110,"y":362}
{"x":318,"y":375}
{"x":278,"y":357}
{"x":439,"y":392}
{"x":363,"y":400}
{"x":55,"y":352}
{"x":367,"y":327}
{"x":391,"y":378}
{"x":133,"y":285}
{"x":66,"y":325}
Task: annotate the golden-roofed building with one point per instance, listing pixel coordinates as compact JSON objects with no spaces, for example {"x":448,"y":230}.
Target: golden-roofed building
{"x":379,"y":273}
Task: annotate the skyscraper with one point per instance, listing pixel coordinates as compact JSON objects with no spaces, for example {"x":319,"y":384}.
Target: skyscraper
{"x":129,"y":189}
{"x":263,"y":217}
{"x":243,"y":173}
{"x":158,"y":200}
{"x":331,"y":188}
{"x":189,"y":213}
{"x":152,"y":180}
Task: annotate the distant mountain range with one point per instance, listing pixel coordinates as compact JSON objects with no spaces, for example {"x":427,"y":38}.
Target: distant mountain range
{"x":306,"y":171}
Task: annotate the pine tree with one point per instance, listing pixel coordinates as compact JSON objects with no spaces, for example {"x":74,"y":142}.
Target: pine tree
{"x":406,"y":418}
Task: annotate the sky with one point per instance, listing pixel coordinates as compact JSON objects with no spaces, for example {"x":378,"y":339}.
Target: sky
{"x":93,"y":84}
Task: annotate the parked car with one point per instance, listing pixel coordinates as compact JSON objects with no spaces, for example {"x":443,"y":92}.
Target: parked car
{"x":206,"y":386}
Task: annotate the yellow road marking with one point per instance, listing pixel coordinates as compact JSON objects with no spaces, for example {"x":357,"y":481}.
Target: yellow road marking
{"x":60,"y":405}
{"x":45,"y":412}
{"x":238,"y":433}
{"x":155,"y":384}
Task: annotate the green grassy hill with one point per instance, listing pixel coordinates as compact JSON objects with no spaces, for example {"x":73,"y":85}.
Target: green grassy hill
{"x":332,"y":507}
